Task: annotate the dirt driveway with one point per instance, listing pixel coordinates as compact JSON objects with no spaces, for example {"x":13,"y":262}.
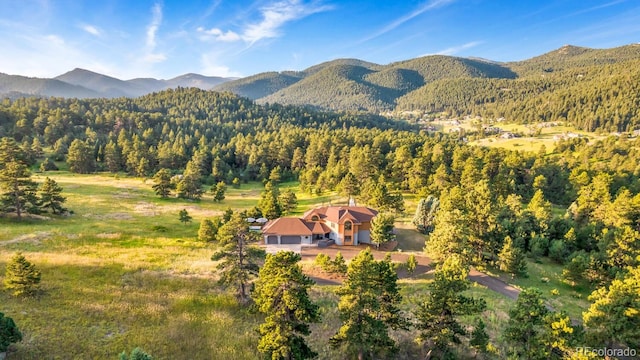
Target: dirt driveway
{"x":424,"y":266}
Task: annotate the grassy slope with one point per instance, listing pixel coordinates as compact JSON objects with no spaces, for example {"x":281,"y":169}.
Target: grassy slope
{"x":111,"y":282}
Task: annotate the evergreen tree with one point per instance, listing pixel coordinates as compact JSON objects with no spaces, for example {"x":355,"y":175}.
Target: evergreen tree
{"x":189,"y":187}
{"x":48,"y":165}
{"x":524,"y":328}
{"x":238,"y":259}
{"x":425,"y":214}
{"x":80,"y":157}
{"x":349,"y":185}
{"x":288,"y":201}
{"x":369,"y":299}
{"x":9,"y":332}
{"x":281,"y":294}
{"x":512,"y":260}
{"x":184,"y":216}
{"x":269,"y":203}
{"x":162,"y":184}
{"x":17,"y":191}
{"x":50,"y":197}
{"x":207,"y":231}
{"x":339,"y":264}
{"x":21,"y":277}
{"x":218,"y":191}
{"x":437,"y":314}
{"x":541,"y":210}
{"x":382,"y":229}
{"x":614,"y":312}
{"x":412,"y":264}
{"x":479,"y":338}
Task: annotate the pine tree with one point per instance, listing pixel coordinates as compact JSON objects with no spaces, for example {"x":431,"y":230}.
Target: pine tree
{"x":281,"y":294}
{"x":512,"y":260}
{"x":425,"y":215}
{"x":50,"y":197}
{"x":162,"y":183}
{"x":369,"y":299}
{"x":9,"y":332}
{"x":436,"y":314}
{"x":412,"y":264}
{"x":218,"y":191}
{"x":189,"y":187}
{"x":269,"y":203}
{"x":207,"y":231}
{"x":479,"y":337}
{"x":339,"y":264}
{"x":80,"y":157}
{"x":184,"y":216}
{"x":238,"y":259}
{"x":288,"y":201}
{"x":614,"y":312}
{"x":349,"y":185}
{"x":382,"y":229}
{"x":525,"y":325}
{"x":21,"y":277}
{"x":48,"y":165}
{"x":17,"y":191}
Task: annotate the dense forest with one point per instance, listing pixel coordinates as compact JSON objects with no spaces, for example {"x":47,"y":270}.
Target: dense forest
{"x":579,"y":206}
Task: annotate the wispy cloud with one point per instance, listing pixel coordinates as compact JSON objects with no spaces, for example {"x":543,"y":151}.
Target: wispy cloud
{"x":91,"y":29}
{"x":152,"y":30}
{"x":218,"y":35}
{"x":211,"y":66}
{"x":456,"y":49}
{"x":430,"y":5}
{"x":273,"y":17}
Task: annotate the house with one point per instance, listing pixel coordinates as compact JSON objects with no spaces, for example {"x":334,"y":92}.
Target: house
{"x":346,"y":225}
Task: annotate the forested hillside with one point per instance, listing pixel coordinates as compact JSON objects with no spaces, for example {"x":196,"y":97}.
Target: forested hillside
{"x":593,"y":89}
{"x":577,"y":208}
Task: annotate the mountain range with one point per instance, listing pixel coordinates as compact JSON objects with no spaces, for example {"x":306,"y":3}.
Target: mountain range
{"x":81,"y":83}
{"x":352,"y":84}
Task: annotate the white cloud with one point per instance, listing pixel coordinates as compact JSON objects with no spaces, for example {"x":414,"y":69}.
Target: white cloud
{"x":91,"y":29}
{"x":218,"y":35}
{"x":430,"y":5}
{"x":273,"y":17}
{"x":152,"y":30}
{"x":456,"y":49}
{"x":211,"y":67}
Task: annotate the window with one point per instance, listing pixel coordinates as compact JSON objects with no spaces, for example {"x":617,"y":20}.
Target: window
{"x":315,"y":218}
{"x":347,"y":238}
{"x":347,"y":226}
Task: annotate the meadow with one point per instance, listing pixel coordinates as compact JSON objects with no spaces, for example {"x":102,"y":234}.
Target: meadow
{"x":123,"y":272}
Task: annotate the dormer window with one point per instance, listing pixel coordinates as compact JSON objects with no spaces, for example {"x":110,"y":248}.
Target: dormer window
{"x":347,"y":225}
{"x":315,"y":218}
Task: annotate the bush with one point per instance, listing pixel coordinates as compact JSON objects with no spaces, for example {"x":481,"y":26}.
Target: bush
{"x":558,"y":251}
{"x":322,"y":260}
{"x":21,"y":276}
{"x":9,"y":332}
{"x":136,"y":354}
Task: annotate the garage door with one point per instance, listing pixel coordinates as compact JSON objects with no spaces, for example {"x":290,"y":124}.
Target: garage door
{"x":272,"y":239}
{"x":290,"y":239}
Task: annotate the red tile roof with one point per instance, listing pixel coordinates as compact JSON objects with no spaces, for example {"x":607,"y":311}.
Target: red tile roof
{"x":339,"y":214}
{"x":287,"y":226}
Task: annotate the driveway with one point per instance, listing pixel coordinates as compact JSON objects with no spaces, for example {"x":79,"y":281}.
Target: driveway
{"x":424,"y":266}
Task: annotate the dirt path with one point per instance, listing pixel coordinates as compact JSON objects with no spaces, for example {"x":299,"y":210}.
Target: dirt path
{"x":424,"y":266}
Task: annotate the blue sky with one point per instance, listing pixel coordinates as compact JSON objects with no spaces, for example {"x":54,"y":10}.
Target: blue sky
{"x":167,"y":38}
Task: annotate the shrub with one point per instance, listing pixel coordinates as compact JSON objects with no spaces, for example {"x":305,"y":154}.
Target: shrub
{"x":9,"y":332}
{"x":136,"y":354}
{"x":22,"y":277}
